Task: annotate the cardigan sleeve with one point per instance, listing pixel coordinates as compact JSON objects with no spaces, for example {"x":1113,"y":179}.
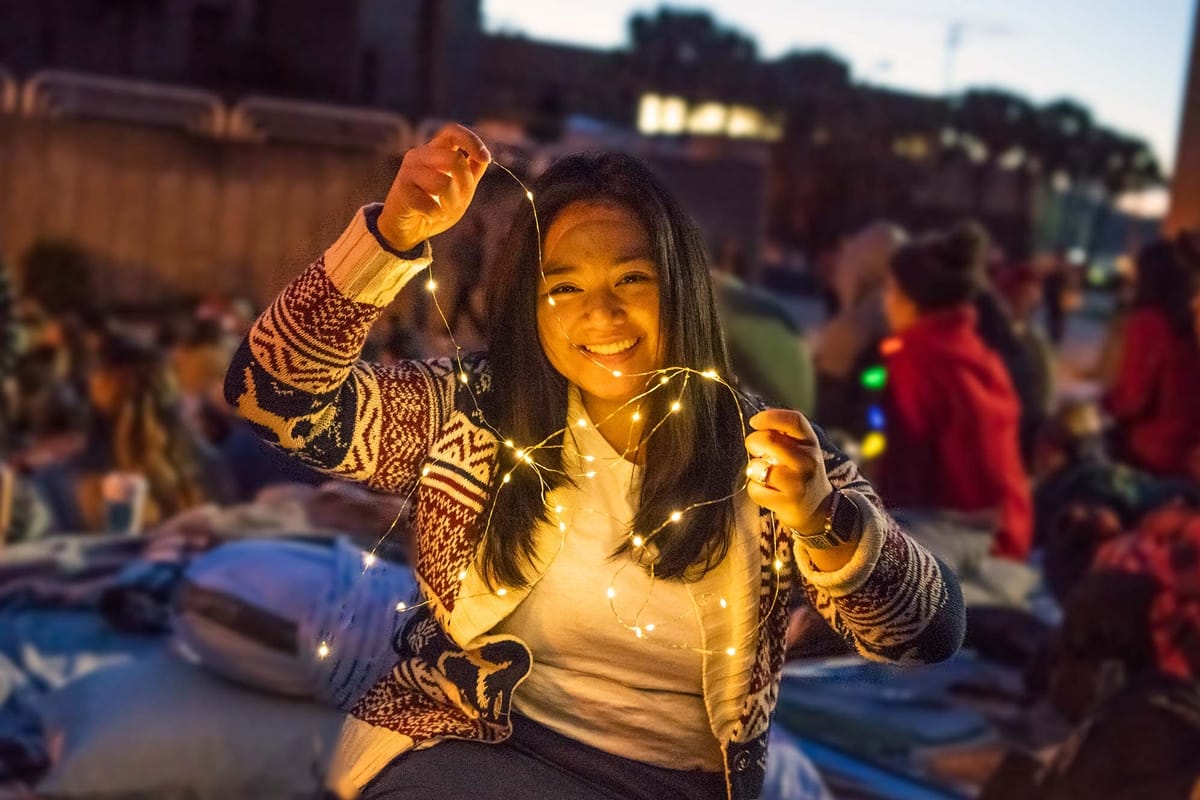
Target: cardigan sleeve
{"x":298,"y":380}
{"x":893,"y":601}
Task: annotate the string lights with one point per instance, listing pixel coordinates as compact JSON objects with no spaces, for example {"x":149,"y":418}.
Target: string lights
{"x":525,"y":455}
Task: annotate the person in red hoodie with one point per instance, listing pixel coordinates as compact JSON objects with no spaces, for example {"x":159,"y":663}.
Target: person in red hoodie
{"x":952,"y":416}
{"x":1155,"y":399}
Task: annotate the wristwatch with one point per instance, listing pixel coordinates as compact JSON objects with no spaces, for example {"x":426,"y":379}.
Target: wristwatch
{"x":842,"y":522}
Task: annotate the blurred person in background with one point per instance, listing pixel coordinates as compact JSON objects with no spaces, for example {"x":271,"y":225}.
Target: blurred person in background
{"x":952,"y":414}
{"x":1154,"y":397}
{"x":1114,"y":675}
{"x":1029,"y":355}
{"x":22,"y":515}
{"x":135,"y":426}
{"x":851,"y":338}
{"x":766,"y":344}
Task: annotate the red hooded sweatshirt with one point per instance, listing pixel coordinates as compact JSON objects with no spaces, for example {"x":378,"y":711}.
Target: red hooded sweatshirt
{"x":952,"y":421}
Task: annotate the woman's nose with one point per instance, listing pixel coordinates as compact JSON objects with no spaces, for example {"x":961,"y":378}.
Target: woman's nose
{"x":605,"y":304}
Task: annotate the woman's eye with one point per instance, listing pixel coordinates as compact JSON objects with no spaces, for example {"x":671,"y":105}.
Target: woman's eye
{"x":563,"y":289}
{"x":635,"y":277}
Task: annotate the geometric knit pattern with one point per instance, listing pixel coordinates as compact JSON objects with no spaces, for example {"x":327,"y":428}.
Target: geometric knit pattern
{"x":415,"y":427}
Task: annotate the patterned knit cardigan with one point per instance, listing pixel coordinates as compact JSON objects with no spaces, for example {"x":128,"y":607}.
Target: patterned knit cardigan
{"x":414,"y":427}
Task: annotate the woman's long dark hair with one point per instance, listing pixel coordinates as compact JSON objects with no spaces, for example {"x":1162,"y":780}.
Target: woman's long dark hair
{"x":696,"y":456}
{"x":1163,"y":283}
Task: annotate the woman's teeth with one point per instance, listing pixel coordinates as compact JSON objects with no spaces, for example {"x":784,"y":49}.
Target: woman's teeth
{"x":610,"y":349}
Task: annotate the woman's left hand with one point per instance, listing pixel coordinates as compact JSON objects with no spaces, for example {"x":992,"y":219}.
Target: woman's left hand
{"x":787,"y":469}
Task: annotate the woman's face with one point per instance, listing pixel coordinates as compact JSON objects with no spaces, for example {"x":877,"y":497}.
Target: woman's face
{"x":597,"y":312}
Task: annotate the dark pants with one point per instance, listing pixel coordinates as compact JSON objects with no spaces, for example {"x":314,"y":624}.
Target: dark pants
{"x":534,"y":763}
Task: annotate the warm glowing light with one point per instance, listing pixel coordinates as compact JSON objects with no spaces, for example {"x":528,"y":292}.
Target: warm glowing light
{"x":462,"y":376}
{"x":589,"y":459}
{"x":729,"y":651}
{"x":323,"y":650}
{"x":424,"y":471}
{"x":431,"y":285}
{"x":676,"y":406}
{"x":558,"y":509}
{"x":507,"y":477}
{"x":368,"y":559}
{"x":550,"y":300}
{"x":724,"y":603}
{"x":462,"y":576}
{"x":508,"y":443}
{"x":637,"y":632}
{"x":663,"y":379}
{"x":638,"y":541}
{"x":637,"y":415}
{"x":611,"y":593}
{"x":401,"y":606}
{"x":709,"y":373}
{"x":649,"y":626}
{"x":501,"y":592}
{"x":873,"y":444}
{"x":778,"y":565}
{"x":581,"y":422}
{"x":529,"y":196}
{"x":676,"y":516}
{"x":891,"y":345}
{"x":590,"y":473}
{"x":616,"y":373}
{"x":562,"y":526}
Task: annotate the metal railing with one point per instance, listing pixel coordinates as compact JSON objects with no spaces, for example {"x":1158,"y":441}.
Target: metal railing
{"x":264,"y":119}
{"x":57,"y":93}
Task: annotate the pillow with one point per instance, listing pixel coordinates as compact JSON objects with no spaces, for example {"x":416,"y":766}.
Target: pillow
{"x":161,"y":728}
{"x":262,"y":612}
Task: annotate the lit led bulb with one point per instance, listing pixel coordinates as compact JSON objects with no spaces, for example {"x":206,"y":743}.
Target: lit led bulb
{"x":550,"y":300}
{"x":709,"y":373}
{"x":611,"y":593}
{"x":664,"y":379}
{"x":322,"y":650}
{"x":649,"y":626}
{"x":617,"y":373}
{"x":676,"y":516}
{"x":637,"y":415}
{"x":462,"y":576}
{"x":431,"y":285}
{"x":507,"y":477}
{"x":675,"y":406}
{"x":401,"y":606}
{"x":501,"y":592}
{"x":368,"y":559}
{"x":778,"y":565}
{"x":590,"y":473}
{"x":724,"y":603}
{"x":729,"y":651}
{"x":462,"y":376}
{"x":529,"y":196}
{"x":638,"y":541}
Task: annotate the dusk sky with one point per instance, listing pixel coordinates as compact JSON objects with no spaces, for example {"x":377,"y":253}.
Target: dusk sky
{"x":1124,"y":59}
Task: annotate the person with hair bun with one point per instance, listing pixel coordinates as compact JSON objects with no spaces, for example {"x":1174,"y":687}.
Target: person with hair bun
{"x":951,"y":412}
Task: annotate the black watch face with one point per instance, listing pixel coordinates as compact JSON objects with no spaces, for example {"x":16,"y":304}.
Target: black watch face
{"x":845,"y":518}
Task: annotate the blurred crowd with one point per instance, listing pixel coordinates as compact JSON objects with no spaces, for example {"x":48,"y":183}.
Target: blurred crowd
{"x":1068,"y":502}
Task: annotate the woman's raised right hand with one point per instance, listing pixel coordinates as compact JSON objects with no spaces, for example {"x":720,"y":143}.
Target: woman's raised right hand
{"x":434,"y":186}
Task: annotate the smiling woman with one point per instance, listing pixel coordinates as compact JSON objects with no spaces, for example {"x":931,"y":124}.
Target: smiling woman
{"x":605,"y":556}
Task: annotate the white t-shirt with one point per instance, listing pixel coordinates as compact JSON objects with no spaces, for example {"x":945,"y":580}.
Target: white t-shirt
{"x":593,"y":678}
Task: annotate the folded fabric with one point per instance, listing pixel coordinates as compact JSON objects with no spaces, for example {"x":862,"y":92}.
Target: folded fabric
{"x":296,"y":618}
